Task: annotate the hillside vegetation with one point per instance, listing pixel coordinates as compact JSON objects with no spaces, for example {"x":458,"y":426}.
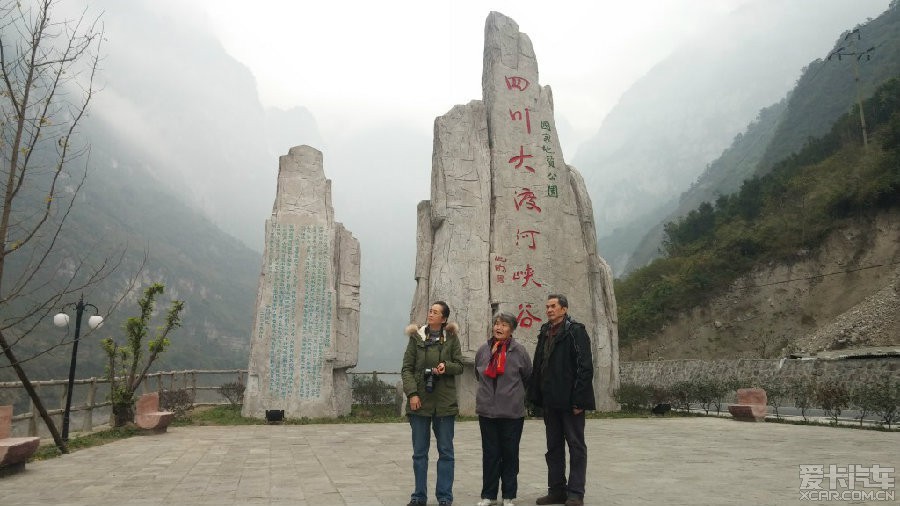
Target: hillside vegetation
{"x":778,"y":217}
{"x":860,"y":60}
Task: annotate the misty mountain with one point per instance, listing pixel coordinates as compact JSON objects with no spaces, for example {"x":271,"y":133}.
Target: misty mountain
{"x":184,"y":163}
{"x":679,"y":117}
{"x":826,"y":90}
{"x":121,"y":214}
{"x":192,"y":115}
{"x":217,"y":149}
{"x":284,"y":129}
{"x":376,"y":198}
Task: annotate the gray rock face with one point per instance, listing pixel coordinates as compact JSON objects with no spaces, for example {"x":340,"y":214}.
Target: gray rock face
{"x":306,"y":333}
{"x":509,"y":222}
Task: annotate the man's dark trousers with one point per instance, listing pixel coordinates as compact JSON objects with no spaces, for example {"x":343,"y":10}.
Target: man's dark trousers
{"x":563,"y":427}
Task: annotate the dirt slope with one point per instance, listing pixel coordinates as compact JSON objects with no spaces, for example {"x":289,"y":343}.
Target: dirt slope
{"x":845,"y":295}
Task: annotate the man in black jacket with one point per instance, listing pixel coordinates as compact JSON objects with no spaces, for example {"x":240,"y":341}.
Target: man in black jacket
{"x":561,"y":385}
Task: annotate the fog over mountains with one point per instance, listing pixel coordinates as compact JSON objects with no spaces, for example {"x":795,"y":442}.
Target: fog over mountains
{"x":176,"y":105}
{"x":190,"y":113}
{"x":679,"y":117}
{"x":178,"y":116}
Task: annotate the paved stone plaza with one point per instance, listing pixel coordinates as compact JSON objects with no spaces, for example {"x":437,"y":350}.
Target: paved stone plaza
{"x":631,"y":462}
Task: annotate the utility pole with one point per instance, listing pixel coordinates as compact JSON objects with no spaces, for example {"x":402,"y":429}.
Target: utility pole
{"x":851,"y":50}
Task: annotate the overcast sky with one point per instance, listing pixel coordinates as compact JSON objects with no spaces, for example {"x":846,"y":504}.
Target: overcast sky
{"x":375,"y":75}
{"x":356,"y":63}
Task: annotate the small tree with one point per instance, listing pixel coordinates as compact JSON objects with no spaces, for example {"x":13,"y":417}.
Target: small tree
{"x":723,"y":387}
{"x":705,"y":393}
{"x":234,"y":392}
{"x":633,"y":397}
{"x":833,"y":397}
{"x":863,"y":399}
{"x":127,"y":366}
{"x":887,"y":401}
{"x":776,"y":392}
{"x":803,"y":392}
{"x":682,"y":395}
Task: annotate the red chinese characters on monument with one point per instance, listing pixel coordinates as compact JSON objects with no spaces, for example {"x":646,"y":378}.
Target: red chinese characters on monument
{"x":527,"y":198}
{"x":519,"y":159}
{"x":500,"y":269}
{"x":527,"y":234}
{"x":517,"y":116}
{"x":516,"y":83}
{"x":525,"y":318}
{"x":526,"y":275}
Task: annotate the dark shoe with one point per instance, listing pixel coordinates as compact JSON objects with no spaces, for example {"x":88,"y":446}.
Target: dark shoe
{"x":416,"y":502}
{"x":551,"y":498}
{"x":445,"y":503}
{"x":574,"y":501}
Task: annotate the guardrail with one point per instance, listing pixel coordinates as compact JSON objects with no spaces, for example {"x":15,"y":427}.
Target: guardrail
{"x":91,"y":407}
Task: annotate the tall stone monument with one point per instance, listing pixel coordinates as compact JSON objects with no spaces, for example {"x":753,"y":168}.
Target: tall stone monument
{"x":508,"y":221}
{"x":306,"y":333}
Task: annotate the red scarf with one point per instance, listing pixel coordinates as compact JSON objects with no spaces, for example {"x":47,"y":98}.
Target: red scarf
{"x":497,"y":364}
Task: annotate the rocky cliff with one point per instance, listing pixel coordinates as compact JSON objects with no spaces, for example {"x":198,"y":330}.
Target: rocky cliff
{"x":845,"y":295}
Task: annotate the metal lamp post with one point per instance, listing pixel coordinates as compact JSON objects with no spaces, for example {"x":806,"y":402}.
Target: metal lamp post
{"x":62,"y":320}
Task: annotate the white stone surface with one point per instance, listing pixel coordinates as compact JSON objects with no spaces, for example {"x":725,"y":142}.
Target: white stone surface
{"x":306,"y":333}
{"x":510,"y":222}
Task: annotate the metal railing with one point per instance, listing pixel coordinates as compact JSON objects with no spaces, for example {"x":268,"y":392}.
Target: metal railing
{"x":90,"y":405}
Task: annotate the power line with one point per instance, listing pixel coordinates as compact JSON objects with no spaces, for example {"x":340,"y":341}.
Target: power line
{"x":850,"y":50}
{"x":835,"y":273}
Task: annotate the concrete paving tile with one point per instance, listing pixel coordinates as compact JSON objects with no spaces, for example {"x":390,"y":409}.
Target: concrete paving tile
{"x":630,"y":462}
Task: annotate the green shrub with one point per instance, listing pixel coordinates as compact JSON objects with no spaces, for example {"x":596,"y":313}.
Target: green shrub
{"x":705,"y":392}
{"x":886,"y":400}
{"x":233,"y":392}
{"x":371,"y":391}
{"x":682,"y":394}
{"x":777,"y":391}
{"x":832,"y":397}
{"x":179,"y":402}
{"x":803,"y":392}
{"x":633,"y":397}
{"x":863,"y":398}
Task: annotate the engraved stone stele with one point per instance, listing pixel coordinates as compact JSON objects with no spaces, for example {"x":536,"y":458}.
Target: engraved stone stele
{"x":509,"y":222}
{"x":306,"y":331}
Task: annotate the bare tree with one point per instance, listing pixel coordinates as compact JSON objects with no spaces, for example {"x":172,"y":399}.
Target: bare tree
{"x":48,"y":68}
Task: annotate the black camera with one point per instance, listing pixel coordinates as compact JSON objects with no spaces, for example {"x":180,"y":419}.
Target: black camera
{"x":430,"y":378}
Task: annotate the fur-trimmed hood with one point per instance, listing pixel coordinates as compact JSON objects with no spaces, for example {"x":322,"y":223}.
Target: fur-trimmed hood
{"x":412,"y":329}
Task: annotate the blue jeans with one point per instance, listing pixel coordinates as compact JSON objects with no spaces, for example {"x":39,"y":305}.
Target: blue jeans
{"x":421,"y":440}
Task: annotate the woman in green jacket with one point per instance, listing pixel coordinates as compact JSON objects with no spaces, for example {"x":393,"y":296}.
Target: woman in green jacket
{"x":431,"y":363}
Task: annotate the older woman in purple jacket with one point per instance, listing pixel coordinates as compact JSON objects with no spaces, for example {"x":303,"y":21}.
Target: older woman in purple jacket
{"x":503,"y":368}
